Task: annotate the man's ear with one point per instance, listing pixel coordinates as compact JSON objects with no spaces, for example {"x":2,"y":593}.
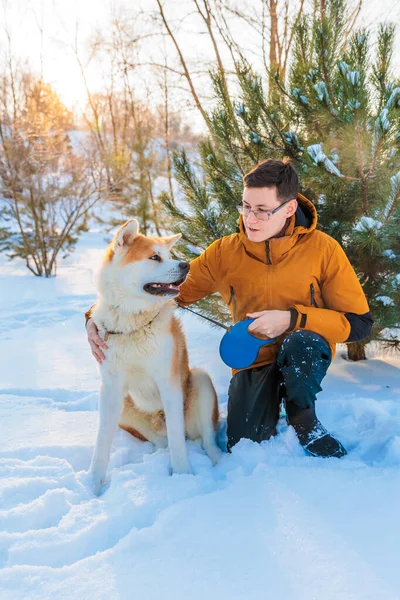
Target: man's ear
{"x":171,"y":240}
{"x":126,"y":234}
{"x":291,"y":208}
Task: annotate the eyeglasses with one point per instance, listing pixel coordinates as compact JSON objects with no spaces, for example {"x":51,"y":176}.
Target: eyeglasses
{"x":260,"y":214}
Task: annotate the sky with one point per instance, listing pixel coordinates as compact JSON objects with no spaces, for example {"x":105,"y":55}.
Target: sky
{"x":60,"y":21}
{"x":44,"y":31}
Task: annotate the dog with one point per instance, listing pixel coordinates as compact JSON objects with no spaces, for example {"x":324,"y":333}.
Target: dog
{"x":147,"y":387}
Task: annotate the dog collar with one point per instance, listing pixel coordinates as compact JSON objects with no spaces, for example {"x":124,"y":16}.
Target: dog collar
{"x":108,"y":333}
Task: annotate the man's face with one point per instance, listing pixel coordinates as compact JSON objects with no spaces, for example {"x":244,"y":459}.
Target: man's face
{"x":265,"y":199}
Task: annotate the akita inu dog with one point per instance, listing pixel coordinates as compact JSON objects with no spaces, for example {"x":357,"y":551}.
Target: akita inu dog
{"x":147,"y":385}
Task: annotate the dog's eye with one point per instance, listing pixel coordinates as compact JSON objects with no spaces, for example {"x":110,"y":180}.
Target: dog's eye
{"x":155,"y":257}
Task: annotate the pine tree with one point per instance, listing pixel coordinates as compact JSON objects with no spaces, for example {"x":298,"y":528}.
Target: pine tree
{"x":337,"y":115}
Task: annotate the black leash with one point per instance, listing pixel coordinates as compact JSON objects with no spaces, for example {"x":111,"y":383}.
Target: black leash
{"x":207,"y":318}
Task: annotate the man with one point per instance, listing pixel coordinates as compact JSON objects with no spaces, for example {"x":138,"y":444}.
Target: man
{"x":299,"y":286}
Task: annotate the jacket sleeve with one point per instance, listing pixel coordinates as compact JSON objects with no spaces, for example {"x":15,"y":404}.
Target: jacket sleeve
{"x":346,"y":316}
{"x":203,"y":276}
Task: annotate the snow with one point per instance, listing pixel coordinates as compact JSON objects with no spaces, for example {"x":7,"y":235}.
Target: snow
{"x":254,"y":137}
{"x":385,"y":300}
{"x":353,"y":104}
{"x":366,"y":223}
{"x":318,"y":156}
{"x":311,"y":74}
{"x":394,"y":190}
{"x":394,"y":98}
{"x":316,"y":153}
{"x":321,"y":90}
{"x":194,"y":249}
{"x":267,"y":521}
{"x":382,"y":125}
{"x":353,"y":77}
{"x":240,"y":110}
{"x":297,"y":94}
{"x":292,"y":139}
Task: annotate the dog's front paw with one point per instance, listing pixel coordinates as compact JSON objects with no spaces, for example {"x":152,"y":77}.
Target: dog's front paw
{"x":95,"y":482}
{"x":214,"y":453}
{"x":181,"y":467}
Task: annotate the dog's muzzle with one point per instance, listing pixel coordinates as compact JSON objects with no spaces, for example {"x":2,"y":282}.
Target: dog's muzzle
{"x":161,"y":288}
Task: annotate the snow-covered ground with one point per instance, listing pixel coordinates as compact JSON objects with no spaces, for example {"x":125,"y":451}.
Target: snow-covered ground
{"x":266,"y":522}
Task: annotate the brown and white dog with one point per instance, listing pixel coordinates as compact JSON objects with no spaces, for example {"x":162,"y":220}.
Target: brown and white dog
{"x":147,"y":386}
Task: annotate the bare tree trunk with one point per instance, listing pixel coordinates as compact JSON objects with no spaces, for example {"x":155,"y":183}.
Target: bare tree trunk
{"x":356,"y":351}
{"x":184,"y":65}
{"x":167,"y":141}
{"x":97,"y":131}
{"x":154,"y":205}
{"x":273,"y":16}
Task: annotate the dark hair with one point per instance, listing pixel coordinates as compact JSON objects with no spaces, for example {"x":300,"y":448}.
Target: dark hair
{"x":274,"y":173}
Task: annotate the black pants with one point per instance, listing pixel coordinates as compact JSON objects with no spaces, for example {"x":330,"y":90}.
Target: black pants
{"x":255,"y":394}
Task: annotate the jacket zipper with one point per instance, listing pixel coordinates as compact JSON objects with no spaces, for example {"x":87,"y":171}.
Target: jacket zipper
{"x":268,"y":275}
{"x":312,"y":295}
{"x":268,"y":252}
{"x":232,"y":294}
{"x":232,"y":297}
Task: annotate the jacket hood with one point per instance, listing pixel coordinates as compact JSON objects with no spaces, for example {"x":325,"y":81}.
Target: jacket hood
{"x":303,"y":222}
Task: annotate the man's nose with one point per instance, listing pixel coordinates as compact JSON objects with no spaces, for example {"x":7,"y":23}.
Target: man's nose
{"x":251,"y":217}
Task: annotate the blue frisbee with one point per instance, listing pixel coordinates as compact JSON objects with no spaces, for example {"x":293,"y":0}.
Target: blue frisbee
{"x":239,"y":348}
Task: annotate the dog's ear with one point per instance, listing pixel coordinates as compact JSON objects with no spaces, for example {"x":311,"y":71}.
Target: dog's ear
{"x":171,"y":240}
{"x":126,"y":234}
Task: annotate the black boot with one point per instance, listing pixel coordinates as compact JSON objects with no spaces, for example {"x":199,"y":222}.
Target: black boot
{"x":313,"y":436}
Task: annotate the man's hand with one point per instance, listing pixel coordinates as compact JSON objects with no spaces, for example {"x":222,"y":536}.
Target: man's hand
{"x":269,"y":322}
{"x":95,"y":341}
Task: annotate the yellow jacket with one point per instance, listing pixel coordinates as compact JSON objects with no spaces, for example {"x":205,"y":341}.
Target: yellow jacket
{"x":306,"y":271}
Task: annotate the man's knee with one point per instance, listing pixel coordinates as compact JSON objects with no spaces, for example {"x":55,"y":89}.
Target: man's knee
{"x":303,"y":360}
{"x":304,"y":345}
